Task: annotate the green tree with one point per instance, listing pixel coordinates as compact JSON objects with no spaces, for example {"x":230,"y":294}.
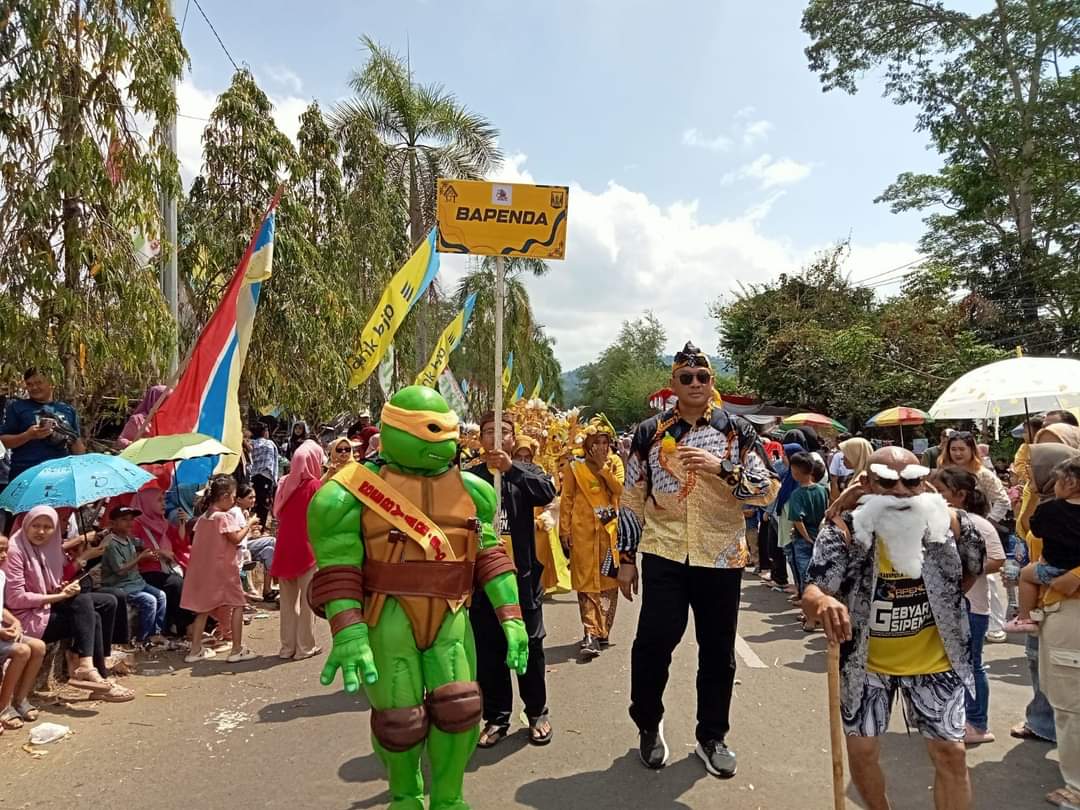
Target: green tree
{"x":816,"y":342}
{"x":80,"y":183}
{"x":998,"y":94}
{"x":533,"y":349}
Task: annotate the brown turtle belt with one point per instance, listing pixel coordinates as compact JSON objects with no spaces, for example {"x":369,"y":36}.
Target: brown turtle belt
{"x":438,"y":580}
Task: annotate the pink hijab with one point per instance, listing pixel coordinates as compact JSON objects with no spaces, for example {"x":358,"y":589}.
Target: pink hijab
{"x":48,"y":559}
{"x":307,"y":463}
{"x":152,"y":519}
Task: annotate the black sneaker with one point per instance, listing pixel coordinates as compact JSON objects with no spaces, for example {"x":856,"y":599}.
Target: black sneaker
{"x":718,"y":758}
{"x":604,"y":643}
{"x":654,"y":751}
{"x":590,"y":648}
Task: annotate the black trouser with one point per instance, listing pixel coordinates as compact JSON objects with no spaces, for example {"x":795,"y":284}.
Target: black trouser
{"x":669,"y":591}
{"x":491,"y":671}
{"x":172,"y":585}
{"x":264,"y":497}
{"x":118,"y":632}
{"x":79,"y":620}
{"x":776,"y":558}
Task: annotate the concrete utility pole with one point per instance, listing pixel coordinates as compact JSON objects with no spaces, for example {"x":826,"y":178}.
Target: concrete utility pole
{"x":169,"y":265}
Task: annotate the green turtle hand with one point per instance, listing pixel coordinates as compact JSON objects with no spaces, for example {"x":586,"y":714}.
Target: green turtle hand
{"x":352,"y":655}
{"x":517,"y":645}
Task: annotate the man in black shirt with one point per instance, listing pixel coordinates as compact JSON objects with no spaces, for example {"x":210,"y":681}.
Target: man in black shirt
{"x":524,"y":488}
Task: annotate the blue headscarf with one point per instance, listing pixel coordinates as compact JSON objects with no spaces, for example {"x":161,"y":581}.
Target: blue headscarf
{"x":788,"y":484}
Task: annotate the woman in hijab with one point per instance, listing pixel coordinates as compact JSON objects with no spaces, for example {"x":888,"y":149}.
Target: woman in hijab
{"x":856,"y":456}
{"x":165,"y":570}
{"x":298,"y":436}
{"x":1059,"y":433}
{"x":294,"y":561}
{"x":51,"y":610}
{"x":339,"y":453}
{"x":134,"y":425}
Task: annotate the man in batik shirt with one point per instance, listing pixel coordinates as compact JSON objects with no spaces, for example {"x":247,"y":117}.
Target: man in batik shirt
{"x":887,"y":582}
{"x":690,"y":471}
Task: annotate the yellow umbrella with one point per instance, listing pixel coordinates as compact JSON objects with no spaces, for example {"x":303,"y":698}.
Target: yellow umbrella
{"x":174,"y":447}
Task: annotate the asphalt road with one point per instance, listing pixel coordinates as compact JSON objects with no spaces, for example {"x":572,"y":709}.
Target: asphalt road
{"x":265,"y":734}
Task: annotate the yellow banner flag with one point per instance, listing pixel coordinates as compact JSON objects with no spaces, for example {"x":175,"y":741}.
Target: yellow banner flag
{"x":450,"y":339}
{"x":405,"y":288}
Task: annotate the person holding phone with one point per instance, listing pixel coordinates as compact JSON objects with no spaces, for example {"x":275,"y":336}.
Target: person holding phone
{"x":39,"y":427}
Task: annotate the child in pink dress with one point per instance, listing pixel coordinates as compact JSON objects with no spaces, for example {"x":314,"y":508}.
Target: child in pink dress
{"x":212,"y":580}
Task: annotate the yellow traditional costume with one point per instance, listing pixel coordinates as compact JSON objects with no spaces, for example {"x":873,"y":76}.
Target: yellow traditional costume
{"x":589,"y":520}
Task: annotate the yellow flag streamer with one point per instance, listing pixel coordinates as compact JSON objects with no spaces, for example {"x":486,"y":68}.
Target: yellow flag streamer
{"x":448,"y":341}
{"x":405,"y":288}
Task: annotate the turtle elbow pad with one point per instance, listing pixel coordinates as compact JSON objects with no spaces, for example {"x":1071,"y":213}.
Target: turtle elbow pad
{"x":490,"y":563}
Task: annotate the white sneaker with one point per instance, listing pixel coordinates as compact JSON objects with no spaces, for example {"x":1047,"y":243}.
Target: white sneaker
{"x":997,"y":636}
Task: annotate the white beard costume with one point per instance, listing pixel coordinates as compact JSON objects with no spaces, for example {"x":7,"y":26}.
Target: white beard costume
{"x":902,"y":524}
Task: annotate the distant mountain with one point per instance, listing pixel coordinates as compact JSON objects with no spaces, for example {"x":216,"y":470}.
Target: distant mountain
{"x":572,"y":383}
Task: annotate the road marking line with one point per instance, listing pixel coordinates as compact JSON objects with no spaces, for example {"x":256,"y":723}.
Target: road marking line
{"x":749,"y":657}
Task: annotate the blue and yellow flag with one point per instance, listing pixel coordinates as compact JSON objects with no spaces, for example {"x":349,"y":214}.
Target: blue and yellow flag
{"x":519,"y":392}
{"x":404,"y":290}
{"x":507,"y":371}
{"x":536,"y":388}
{"x":450,"y":340}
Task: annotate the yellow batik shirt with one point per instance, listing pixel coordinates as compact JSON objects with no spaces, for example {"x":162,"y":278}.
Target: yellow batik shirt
{"x":687,"y":516}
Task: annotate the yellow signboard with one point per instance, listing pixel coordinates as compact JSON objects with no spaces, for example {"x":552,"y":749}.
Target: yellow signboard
{"x":507,"y":219}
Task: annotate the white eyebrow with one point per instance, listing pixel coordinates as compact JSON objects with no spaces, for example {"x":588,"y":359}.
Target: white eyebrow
{"x":915,"y":471}
{"x":883,"y":471}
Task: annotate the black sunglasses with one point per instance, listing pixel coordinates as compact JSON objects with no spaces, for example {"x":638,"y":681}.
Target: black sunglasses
{"x":703,"y":377}
{"x":342,"y":449}
{"x":890,"y":483}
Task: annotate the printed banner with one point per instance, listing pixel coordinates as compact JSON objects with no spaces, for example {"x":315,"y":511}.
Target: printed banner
{"x":404,"y":290}
{"x":448,"y":341}
{"x":507,"y":219}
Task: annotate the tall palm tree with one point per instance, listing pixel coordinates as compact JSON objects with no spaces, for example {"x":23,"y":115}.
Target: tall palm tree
{"x":522,"y":334}
{"x":429,"y":132}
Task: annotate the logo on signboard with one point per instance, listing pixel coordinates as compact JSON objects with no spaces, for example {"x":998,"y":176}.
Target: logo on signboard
{"x":502,"y":195}
{"x":449,"y":193}
{"x":558,"y":199}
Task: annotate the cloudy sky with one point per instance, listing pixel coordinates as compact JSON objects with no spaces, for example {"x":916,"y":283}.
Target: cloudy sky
{"x":700,"y":151}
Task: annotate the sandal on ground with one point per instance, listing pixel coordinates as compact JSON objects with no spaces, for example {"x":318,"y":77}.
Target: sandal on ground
{"x":26,"y":711}
{"x":1021,"y":732}
{"x":537,"y":734}
{"x":1064,"y":797}
{"x":492,"y":735}
{"x":117,"y":694}
{"x":244,"y":654}
{"x":301,"y":655}
{"x":89,"y":679}
{"x":204,"y":654}
{"x":10,"y":720}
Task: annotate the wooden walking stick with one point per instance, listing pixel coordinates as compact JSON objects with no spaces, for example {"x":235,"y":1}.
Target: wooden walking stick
{"x":836,"y":730}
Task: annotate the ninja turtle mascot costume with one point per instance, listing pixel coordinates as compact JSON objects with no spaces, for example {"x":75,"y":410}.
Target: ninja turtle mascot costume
{"x":400,"y":547}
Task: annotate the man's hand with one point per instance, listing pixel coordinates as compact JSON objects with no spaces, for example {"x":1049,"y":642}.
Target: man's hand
{"x":597,"y":454}
{"x":352,"y":655}
{"x":146,"y":554}
{"x":833,"y":615}
{"x":697,"y":460}
{"x":517,"y":645}
{"x":564,"y":541}
{"x":498,"y":459}
{"x":849,"y":498}
{"x":628,"y":580}
{"x":35,"y":432}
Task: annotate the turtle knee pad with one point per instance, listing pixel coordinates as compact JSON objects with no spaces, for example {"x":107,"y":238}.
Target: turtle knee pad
{"x":455,"y":707}
{"x":399,"y":730}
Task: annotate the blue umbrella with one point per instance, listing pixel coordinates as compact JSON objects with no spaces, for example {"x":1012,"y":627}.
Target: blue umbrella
{"x":73,"y":481}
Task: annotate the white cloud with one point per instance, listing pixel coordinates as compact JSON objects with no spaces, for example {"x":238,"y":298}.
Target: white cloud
{"x":284,"y":77}
{"x":771,"y":173}
{"x":693,"y":138}
{"x":626,"y":254}
{"x":756,"y":131}
{"x":196,"y":104}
